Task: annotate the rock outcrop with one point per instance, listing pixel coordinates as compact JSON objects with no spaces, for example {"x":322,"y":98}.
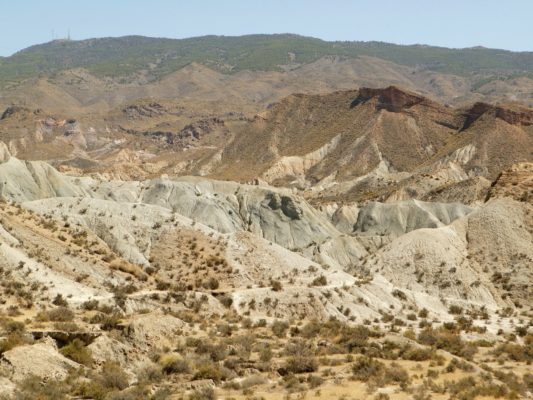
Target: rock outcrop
{"x":41,"y":359}
{"x":391,"y":98}
{"x":155,"y":330}
{"x":31,"y":180}
{"x":513,"y":115}
{"x":5,"y":155}
{"x":515,"y":182}
{"x":399,"y":218}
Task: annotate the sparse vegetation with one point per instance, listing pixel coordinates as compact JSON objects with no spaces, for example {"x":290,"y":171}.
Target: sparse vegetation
{"x":154,"y":305}
{"x":252,"y":52}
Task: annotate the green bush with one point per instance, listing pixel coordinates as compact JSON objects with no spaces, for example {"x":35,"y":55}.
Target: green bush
{"x":208,"y":370}
{"x":173,"y":364}
{"x":211,"y":283}
{"x":301,"y":357}
{"x":469,"y":389}
{"x":447,"y":340}
{"x":265,"y":354}
{"x":416,"y":354}
{"x":149,"y":373}
{"x":366,"y":368}
{"x":374,"y":372}
{"x":314,"y":381}
{"x":215,"y":351}
{"x":113,"y":376}
{"x":33,"y":388}
{"x":13,"y":340}
{"x":395,"y":373}
{"x":276,"y":285}
{"x":59,"y":300}
{"x":460,"y":364}
{"x":14,"y":327}
{"x":107,"y":322}
{"x":90,"y":390}
{"x":516,"y":352}
{"x":279,"y":328}
{"x":78,"y":352}
{"x":423,"y":313}
{"x":206,"y":393}
{"x":60,"y":314}
{"x":319,"y":281}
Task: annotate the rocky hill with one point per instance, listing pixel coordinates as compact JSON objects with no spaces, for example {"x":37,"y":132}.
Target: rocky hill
{"x":129,"y":264}
{"x":377,"y":143}
{"x":353,"y":145}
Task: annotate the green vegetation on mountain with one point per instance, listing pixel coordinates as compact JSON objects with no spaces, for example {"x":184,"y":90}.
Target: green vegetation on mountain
{"x":131,"y":54}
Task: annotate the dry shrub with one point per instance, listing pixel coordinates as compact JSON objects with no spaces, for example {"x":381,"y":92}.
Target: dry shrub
{"x":376,"y":373}
{"x":60,"y":314}
{"x":78,"y":352}
{"x":301,"y":358}
{"x":113,"y":376}
{"x":447,"y":340}
{"x":128,"y":268}
{"x":174,"y":364}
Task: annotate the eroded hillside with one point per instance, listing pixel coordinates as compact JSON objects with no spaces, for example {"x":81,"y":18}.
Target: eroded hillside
{"x":265,"y":217}
{"x":196,"y":287}
{"x":356,"y":145}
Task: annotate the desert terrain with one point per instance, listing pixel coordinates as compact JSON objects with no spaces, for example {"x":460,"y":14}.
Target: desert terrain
{"x":250,"y":227}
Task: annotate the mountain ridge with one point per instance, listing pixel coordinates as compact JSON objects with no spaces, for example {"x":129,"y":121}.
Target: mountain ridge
{"x":371,"y":143}
{"x":121,"y":56}
{"x":355,"y":132}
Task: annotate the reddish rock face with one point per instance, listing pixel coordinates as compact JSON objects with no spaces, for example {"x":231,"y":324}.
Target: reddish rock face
{"x":513,"y":116}
{"x":391,"y":98}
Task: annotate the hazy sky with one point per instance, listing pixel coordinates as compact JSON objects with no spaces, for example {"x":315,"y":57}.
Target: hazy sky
{"x":452,"y":23}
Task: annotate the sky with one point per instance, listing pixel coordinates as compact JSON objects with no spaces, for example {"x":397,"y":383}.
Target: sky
{"x":450,"y":23}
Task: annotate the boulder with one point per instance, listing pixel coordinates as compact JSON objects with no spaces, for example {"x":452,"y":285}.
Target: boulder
{"x":154,"y":330}
{"x":41,"y":359}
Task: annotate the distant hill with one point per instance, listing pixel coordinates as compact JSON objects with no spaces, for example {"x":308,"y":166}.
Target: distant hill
{"x":156,"y":57}
{"x":311,"y":140}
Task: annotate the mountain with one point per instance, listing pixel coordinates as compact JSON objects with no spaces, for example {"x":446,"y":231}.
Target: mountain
{"x":264,"y":217}
{"x":376,"y":143}
{"x":351,"y":145}
{"x":98,"y":73}
{"x":132,"y":54}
